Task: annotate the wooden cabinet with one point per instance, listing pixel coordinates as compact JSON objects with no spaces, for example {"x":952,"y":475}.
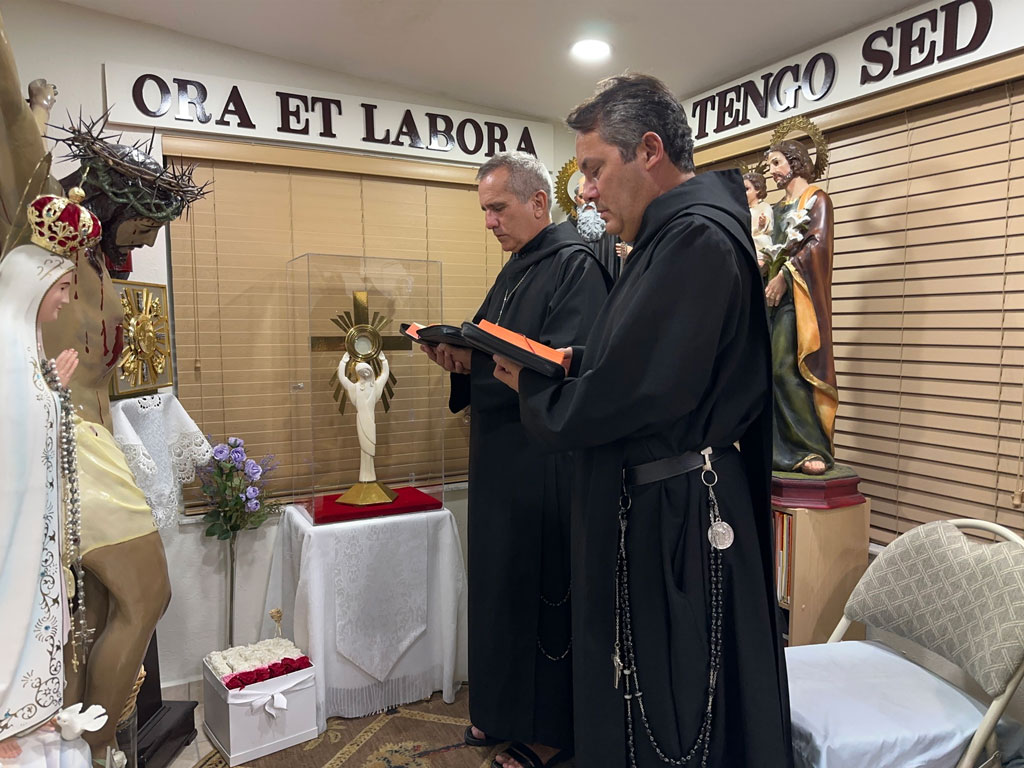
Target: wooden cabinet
{"x":821,"y":554}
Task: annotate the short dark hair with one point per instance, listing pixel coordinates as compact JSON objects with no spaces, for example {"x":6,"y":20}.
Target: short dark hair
{"x":526,"y":175}
{"x":625,"y":107}
{"x":796,"y":154}
{"x":757,"y":182}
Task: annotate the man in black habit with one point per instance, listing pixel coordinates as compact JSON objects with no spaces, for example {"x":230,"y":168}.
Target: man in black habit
{"x":520,"y":638}
{"x":677,"y":655}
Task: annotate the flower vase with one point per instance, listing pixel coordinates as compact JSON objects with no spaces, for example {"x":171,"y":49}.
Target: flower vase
{"x":231,"y":590}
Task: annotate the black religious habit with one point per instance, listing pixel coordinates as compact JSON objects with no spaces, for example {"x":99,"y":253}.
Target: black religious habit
{"x":604,"y":251}
{"x":678,"y":360}
{"x":520,"y":654}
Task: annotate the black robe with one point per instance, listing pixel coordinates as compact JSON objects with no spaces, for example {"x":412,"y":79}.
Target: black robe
{"x":604,"y":250}
{"x":519,"y":503}
{"x":679,"y":360}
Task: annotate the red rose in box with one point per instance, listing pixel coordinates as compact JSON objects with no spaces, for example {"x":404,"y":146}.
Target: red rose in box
{"x":248,"y":664}
{"x":258,"y":675}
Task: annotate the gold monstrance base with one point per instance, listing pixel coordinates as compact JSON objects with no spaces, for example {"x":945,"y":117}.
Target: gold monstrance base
{"x":362,"y":494}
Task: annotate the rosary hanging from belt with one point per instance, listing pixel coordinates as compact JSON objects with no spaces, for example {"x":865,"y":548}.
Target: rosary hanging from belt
{"x":563,"y":603}
{"x":721,"y":537}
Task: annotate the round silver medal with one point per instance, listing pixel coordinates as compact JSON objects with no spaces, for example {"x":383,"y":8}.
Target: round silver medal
{"x":720,"y":535}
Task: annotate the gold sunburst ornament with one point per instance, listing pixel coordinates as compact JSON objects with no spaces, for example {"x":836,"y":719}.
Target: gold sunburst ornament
{"x":145,"y":363}
{"x":363,"y":342}
{"x":563,"y":196}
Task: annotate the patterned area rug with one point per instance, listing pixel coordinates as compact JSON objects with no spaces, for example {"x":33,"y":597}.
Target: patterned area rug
{"x":423,"y":735}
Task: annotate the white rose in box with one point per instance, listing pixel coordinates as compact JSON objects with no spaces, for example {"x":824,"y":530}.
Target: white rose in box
{"x":250,"y":658}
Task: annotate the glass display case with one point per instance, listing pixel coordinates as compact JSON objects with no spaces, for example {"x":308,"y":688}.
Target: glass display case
{"x":356,"y":304}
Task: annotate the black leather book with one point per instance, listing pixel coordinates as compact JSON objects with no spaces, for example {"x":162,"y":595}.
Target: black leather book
{"x":495,"y":340}
{"x":432,"y":335}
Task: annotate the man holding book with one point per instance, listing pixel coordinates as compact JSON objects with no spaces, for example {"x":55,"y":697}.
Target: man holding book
{"x":677,"y":656}
{"x":520,"y":590}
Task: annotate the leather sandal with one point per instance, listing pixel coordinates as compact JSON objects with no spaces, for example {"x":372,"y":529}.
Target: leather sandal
{"x":473,"y":741}
{"x":527,"y":758}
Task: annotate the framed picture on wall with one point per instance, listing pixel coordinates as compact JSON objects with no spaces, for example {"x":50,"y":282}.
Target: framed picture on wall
{"x":145,"y":364}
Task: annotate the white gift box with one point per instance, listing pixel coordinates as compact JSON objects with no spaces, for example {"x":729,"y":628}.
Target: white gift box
{"x":261,"y":718}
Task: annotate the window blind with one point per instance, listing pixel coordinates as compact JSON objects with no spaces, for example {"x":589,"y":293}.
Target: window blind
{"x":234,"y":345}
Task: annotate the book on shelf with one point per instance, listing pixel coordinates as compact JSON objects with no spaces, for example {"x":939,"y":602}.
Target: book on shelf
{"x":783,"y":558}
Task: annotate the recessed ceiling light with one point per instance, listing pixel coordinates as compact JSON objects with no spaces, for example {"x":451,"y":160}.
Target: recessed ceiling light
{"x":591,"y":50}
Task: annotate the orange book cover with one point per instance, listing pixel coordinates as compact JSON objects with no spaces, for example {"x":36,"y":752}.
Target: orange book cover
{"x":521,"y":341}
{"x":413,"y":330}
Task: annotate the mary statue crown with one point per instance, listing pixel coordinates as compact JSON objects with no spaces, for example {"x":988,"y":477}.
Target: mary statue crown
{"x":62,"y":225}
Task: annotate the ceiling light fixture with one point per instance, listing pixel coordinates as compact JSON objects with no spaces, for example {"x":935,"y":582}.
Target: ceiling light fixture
{"x":591,"y":50}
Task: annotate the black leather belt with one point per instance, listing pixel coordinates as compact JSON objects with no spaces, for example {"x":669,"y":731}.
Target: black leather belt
{"x":662,"y":469}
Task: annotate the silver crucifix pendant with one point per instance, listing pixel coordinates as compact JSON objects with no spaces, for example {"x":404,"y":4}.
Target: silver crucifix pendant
{"x":617,"y":663}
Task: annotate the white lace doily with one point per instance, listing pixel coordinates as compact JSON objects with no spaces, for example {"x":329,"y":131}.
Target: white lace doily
{"x":162,"y":446}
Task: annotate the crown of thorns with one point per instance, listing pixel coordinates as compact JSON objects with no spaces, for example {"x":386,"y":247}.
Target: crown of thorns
{"x":127,"y":173}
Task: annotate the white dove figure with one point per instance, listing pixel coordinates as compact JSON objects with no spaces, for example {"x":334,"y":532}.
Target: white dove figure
{"x":73,"y":721}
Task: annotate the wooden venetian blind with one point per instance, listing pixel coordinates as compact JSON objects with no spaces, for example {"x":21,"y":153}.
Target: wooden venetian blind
{"x":234,"y":320}
{"x":928,"y":308}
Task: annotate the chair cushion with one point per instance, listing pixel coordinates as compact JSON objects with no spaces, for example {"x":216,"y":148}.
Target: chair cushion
{"x":858,"y":704}
{"x":959,"y":597}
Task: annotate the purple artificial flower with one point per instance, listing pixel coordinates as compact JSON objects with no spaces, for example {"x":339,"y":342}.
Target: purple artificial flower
{"x":253,"y":470}
{"x":236,"y":442}
{"x":252,"y":492}
{"x":220,"y":452}
{"x":238,"y":456}
{"x":253,"y":505}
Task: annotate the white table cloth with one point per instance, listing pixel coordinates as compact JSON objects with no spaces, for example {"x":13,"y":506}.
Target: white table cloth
{"x":376,"y":604}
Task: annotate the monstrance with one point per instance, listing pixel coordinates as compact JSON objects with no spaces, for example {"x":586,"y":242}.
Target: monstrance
{"x":364,"y":342}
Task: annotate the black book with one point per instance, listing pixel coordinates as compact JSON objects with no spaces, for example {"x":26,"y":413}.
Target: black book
{"x":432,"y":335}
{"x":495,"y":340}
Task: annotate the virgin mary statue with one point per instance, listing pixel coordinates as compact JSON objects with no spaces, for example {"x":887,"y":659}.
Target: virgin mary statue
{"x":34,"y":542}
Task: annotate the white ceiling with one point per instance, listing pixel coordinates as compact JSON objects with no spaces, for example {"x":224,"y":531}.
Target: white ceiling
{"x":512,"y":55}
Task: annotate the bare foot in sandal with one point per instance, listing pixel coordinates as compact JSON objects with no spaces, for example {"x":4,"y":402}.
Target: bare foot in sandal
{"x":530,"y":756}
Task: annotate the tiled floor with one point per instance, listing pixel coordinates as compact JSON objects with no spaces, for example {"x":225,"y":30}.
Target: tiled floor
{"x":199,"y":748}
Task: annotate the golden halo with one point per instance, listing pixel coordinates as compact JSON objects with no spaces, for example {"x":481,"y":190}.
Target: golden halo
{"x":759,"y":167}
{"x":562,"y":197}
{"x":805,"y":124}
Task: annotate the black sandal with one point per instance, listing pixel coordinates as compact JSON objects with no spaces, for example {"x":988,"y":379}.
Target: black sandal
{"x":527,"y":758}
{"x":473,"y":741}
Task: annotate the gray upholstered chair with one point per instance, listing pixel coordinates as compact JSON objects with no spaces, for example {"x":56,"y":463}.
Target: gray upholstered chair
{"x":858,"y":704}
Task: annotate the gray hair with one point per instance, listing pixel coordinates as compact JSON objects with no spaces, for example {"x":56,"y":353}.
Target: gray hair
{"x":626,"y":107}
{"x":526,"y":175}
